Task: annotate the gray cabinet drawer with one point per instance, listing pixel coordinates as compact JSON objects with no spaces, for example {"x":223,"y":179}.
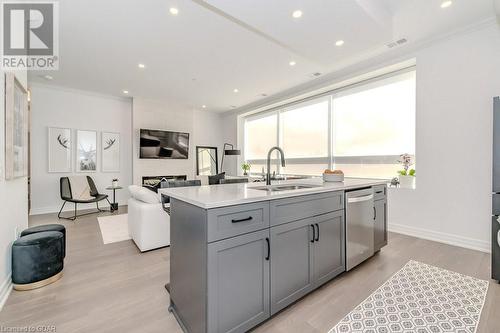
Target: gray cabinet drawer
{"x":379,"y":192}
{"x":293,"y":209}
{"x":236,"y":220}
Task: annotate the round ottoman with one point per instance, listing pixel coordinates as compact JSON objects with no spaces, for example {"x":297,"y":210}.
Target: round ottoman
{"x":37,"y":260}
{"x":48,"y":227}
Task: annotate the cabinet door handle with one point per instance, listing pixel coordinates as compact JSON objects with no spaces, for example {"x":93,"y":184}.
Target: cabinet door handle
{"x":242,"y":220}
{"x":268,"y":249}
{"x":314,"y":233}
{"x":317,"y":237}
{"x":374,"y":213}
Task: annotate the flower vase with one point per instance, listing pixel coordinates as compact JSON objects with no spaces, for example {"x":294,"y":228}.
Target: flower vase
{"x":407,"y":181}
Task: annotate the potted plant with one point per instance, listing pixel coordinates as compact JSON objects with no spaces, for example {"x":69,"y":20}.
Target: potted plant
{"x":407,"y":175}
{"x":246,"y":167}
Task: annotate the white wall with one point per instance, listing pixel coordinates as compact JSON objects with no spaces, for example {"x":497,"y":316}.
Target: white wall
{"x":457,"y":78}
{"x":203,"y":126}
{"x":74,"y":109}
{"x":13,"y":203}
{"x":497,"y":9}
{"x":456,"y":82}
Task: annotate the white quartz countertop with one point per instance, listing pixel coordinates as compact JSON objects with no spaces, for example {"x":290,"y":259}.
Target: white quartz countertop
{"x":214,"y":196}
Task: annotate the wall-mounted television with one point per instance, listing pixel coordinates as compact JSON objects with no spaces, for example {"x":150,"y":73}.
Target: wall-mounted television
{"x":157,"y":144}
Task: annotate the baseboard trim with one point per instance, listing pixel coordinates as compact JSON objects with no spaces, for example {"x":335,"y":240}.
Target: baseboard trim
{"x":5,"y":289}
{"x":465,"y":242}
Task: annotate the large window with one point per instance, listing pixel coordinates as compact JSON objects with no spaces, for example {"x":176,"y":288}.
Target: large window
{"x":304,"y":137}
{"x":361,"y":130}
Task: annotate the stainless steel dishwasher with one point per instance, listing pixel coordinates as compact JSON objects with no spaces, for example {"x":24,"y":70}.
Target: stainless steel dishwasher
{"x":359,"y":226}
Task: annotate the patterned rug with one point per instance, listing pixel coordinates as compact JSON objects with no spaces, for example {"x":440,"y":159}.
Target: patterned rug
{"x":422,"y":299}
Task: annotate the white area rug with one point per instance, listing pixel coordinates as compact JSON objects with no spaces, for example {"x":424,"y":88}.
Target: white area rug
{"x":420,"y":298}
{"x":114,"y":228}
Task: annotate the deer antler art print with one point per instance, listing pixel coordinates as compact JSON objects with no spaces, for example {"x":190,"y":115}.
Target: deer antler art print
{"x":109,"y":143}
{"x":63,"y":141}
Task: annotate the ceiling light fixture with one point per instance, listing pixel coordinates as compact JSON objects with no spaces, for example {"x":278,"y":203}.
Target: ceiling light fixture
{"x":125,"y":92}
{"x":204,"y":106}
{"x":339,"y":43}
{"x":141,"y":66}
{"x":297,"y":14}
{"x":292,"y":63}
{"x":235,"y":90}
{"x":446,"y":4}
{"x":174,"y":11}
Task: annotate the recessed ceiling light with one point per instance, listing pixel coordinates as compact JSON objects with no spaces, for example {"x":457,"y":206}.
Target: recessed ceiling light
{"x":141,"y":66}
{"x":446,"y":4}
{"x":125,"y":92}
{"x":235,"y":90}
{"x":204,"y":106}
{"x":48,"y":77}
{"x":297,"y":14}
{"x":173,"y":11}
{"x":339,"y":42}
{"x":292,"y":63}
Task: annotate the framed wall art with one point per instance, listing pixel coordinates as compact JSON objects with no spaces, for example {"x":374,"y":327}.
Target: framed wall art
{"x":86,"y":151}
{"x":110,"y":151}
{"x":59,"y":149}
{"x":16,"y":128}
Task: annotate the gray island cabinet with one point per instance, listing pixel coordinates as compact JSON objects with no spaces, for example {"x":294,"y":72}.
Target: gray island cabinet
{"x":232,"y":267}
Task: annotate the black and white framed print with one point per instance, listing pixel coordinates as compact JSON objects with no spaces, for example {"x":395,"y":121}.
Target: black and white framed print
{"x":86,"y":151}
{"x":60,"y":149}
{"x":110,"y":146}
{"x":16,"y":128}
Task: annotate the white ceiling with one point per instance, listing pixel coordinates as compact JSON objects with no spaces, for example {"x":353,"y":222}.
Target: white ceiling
{"x":212,"y":47}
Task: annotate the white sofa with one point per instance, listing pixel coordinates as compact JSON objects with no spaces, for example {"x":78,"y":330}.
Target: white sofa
{"x":148,"y":223}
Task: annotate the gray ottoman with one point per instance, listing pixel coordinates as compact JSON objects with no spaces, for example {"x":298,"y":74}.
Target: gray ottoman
{"x":37,"y":259}
{"x":47,"y":227}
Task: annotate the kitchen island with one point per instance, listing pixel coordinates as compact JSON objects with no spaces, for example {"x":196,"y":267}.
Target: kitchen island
{"x":242,"y":252}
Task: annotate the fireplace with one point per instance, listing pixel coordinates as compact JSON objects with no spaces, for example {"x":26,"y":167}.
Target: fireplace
{"x":154,"y":181}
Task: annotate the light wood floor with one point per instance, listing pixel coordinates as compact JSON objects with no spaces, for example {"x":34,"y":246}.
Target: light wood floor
{"x":115,"y":288}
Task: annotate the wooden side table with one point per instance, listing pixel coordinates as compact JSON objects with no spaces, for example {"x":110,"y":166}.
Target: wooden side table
{"x":114,"y":204}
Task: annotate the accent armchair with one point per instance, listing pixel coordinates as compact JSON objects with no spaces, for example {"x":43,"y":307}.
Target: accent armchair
{"x":68,"y":196}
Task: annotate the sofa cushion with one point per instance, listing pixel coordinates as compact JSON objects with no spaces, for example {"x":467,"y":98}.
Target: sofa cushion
{"x":133,"y":190}
{"x":143,"y":194}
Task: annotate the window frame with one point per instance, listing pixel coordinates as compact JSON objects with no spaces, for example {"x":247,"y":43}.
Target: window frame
{"x":329,"y":96}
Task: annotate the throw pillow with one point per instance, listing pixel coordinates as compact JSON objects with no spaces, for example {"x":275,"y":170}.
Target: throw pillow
{"x":214,"y":180}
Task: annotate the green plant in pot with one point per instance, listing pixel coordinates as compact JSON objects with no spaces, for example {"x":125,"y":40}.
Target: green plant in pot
{"x":246,"y":168}
{"x":407,"y":175}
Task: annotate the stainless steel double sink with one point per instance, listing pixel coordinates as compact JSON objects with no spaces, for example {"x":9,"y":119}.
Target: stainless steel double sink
{"x":287,"y":187}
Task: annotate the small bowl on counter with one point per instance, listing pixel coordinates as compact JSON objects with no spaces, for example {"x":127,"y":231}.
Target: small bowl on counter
{"x":333,"y":177}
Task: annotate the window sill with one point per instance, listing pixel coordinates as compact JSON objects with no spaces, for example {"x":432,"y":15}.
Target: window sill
{"x":399,"y":188}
